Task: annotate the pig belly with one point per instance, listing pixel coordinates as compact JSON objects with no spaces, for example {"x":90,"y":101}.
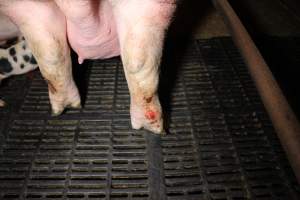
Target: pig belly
{"x":92,"y":25}
{"x":91,"y":28}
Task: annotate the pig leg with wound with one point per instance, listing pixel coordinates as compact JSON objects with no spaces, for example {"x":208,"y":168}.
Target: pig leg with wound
{"x":141,"y":28}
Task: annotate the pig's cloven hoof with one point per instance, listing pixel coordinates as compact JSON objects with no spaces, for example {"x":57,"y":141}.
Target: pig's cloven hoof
{"x":148,"y":126}
{"x":75,"y":105}
{"x":148,"y":117}
{"x":2,"y":103}
{"x":61,"y":100}
{"x":55,"y":113}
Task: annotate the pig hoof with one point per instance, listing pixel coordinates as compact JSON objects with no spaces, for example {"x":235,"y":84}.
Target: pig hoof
{"x":75,"y":105}
{"x":146,"y":113}
{"x":62,"y":100}
{"x":149,"y":121}
{"x":155,"y":129}
{"x":2,"y":103}
{"x":56,"y":113}
{"x":149,"y":127}
{"x":135,"y":124}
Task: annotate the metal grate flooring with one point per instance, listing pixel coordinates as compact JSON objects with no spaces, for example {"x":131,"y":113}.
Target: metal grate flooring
{"x":221,"y":144}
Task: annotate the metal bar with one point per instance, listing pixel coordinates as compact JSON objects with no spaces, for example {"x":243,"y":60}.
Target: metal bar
{"x":283,"y":118}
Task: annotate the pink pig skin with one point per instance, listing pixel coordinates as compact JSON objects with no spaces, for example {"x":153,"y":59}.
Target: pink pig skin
{"x":43,"y":25}
{"x":97,"y":29}
{"x":91,"y":28}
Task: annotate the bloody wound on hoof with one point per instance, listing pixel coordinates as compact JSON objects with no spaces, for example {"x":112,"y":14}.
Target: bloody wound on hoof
{"x":151,"y":115}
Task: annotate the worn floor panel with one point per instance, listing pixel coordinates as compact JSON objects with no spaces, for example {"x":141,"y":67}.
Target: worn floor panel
{"x":221,"y":144}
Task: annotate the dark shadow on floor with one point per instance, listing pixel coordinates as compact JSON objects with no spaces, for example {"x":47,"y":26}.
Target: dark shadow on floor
{"x":80,"y":74}
{"x":188,"y":15}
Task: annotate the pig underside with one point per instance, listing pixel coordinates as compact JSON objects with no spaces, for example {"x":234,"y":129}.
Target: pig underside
{"x":97,"y":29}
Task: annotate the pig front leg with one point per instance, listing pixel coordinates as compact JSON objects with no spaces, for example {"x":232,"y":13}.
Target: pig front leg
{"x":52,"y":53}
{"x":53,"y":56}
{"x":141,"y":29}
{"x":44,"y":29}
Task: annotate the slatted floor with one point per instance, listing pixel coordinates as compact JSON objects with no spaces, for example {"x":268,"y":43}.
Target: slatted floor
{"x":220,"y":145}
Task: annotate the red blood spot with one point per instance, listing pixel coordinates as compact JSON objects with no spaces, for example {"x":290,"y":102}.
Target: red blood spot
{"x":150,"y":115}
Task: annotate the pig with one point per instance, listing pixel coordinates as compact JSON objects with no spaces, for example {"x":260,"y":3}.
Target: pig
{"x":97,"y":29}
{"x":15,"y":59}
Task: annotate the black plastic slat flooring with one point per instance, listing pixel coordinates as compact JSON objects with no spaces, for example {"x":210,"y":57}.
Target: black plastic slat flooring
{"x":221,"y":143}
